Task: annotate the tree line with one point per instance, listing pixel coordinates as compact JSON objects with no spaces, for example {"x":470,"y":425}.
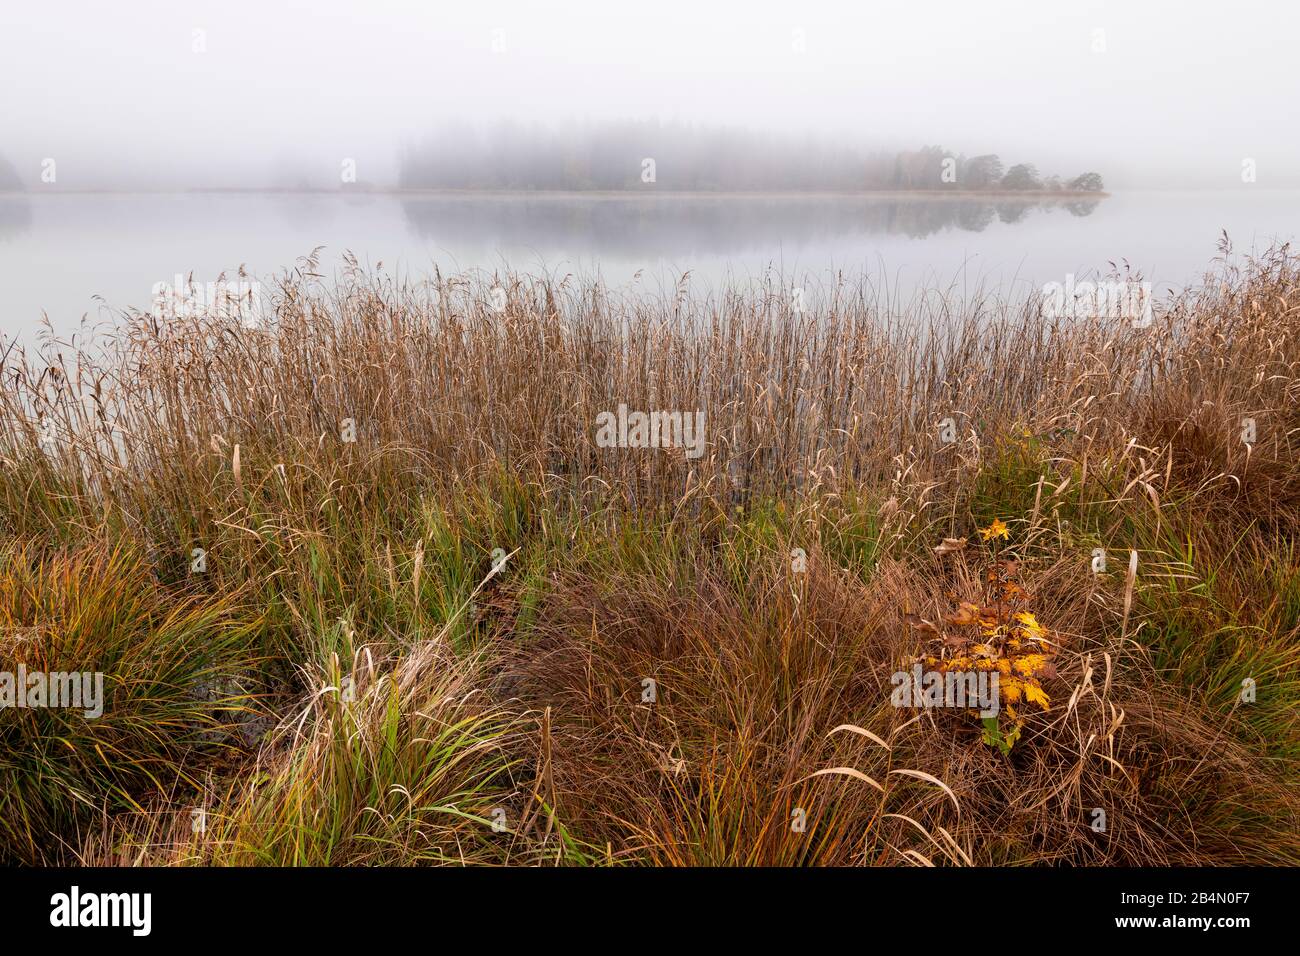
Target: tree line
{"x":633,"y":155}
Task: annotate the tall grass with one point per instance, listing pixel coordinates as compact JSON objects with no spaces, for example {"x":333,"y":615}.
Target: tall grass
{"x":519,"y":685}
{"x":179,"y":682}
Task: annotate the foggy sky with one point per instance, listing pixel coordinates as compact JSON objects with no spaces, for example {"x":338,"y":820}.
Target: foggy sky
{"x":117,"y":95}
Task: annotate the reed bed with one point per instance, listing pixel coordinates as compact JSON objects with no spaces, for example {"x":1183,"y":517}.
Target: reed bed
{"x":430,"y":600}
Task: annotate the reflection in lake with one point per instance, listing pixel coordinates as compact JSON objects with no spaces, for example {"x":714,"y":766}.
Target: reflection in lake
{"x":673,"y":226}
{"x":15,"y":216}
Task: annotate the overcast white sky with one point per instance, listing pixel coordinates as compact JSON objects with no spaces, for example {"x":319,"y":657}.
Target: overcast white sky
{"x":1182,"y":93}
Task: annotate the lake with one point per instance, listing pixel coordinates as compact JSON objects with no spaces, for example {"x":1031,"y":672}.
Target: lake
{"x":75,"y":255}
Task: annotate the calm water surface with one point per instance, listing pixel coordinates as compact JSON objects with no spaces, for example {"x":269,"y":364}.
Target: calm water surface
{"x":73,"y":256}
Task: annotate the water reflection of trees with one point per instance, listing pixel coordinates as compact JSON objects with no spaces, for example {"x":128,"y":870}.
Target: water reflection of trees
{"x":680,"y":225}
{"x":15,"y":216}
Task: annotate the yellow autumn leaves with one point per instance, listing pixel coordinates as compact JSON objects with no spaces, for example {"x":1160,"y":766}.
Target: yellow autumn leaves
{"x":999,"y":634}
{"x":997,"y":529}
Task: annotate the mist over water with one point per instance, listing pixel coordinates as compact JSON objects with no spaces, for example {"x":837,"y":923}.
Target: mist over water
{"x":322,"y":126}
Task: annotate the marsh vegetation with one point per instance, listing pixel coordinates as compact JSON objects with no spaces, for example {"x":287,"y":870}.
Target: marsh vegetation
{"x":436,"y":621}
